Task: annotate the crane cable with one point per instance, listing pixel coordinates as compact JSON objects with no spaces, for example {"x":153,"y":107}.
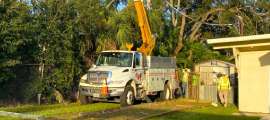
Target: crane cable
{"x":216,"y":24}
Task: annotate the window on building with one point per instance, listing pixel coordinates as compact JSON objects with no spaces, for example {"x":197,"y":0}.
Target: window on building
{"x":214,"y":62}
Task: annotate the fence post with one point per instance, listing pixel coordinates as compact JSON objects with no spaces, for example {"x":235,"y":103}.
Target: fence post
{"x":42,"y":69}
{"x":187,"y":92}
{"x":198,"y":88}
{"x":207,"y":79}
{"x":39,"y":94}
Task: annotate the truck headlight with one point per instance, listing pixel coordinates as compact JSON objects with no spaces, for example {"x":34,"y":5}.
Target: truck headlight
{"x":82,"y":81}
{"x":115,"y":82}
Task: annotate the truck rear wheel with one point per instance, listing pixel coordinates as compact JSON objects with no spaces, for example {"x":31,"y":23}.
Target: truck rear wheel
{"x":178,"y":92}
{"x":85,"y":99}
{"x":165,"y":94}
{"x":128,"y":97}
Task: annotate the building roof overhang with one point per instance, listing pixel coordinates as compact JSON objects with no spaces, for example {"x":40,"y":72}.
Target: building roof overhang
{"x":229,"y":64}
{"x":244,"y":43}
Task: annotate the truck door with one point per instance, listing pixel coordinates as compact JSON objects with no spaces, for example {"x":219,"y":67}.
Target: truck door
{"x":138,"y":69}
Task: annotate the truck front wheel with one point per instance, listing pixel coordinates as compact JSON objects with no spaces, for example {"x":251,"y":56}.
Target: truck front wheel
{"x":165,"y":94}
{"x":85,"y":99}
{"x":127,"y":98}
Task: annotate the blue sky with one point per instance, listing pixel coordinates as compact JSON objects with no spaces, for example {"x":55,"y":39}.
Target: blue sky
{"x":120,"y":6}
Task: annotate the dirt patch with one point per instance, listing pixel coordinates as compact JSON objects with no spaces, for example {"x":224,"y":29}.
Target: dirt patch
{"x":200,"y":101}
{"x":190,"y":100}
{"x":204,"y":101}
{"x":183,"y":105}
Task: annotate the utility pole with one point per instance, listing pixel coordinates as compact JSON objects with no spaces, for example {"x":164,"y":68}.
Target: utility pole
{"x":241,"y":23}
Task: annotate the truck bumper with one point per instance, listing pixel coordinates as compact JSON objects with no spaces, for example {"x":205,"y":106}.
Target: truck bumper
{"x":96,"y":92}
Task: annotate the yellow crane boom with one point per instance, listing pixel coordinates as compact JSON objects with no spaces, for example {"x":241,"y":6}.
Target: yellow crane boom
{"x":148,"y":41}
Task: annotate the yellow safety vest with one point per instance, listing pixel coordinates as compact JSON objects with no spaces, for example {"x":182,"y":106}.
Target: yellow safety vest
{"x":224,"y":83}
{"x":185,"y":77}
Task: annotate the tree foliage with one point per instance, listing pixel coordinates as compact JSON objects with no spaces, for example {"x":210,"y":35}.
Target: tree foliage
{"x":13,"y":26}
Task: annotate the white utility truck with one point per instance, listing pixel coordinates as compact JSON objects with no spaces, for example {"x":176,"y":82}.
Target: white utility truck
{"x":126,"y":76}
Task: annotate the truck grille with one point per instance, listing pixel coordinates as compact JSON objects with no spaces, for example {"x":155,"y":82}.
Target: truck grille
{"x":96,"y":78}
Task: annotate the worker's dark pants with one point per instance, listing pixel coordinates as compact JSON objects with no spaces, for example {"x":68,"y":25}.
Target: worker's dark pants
{"x":184,"y":89}
{"x":194,"y":91}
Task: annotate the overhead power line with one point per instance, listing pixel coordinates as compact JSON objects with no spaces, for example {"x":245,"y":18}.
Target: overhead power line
{"x":216,"y":24}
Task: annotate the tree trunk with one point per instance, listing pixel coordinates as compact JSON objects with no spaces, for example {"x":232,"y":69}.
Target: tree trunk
{"x":148,"y":4}
{"x":190,"y":54}
{"x":180,"y":39}
{"x":109,"y":4}
{"x":173,"y":16}
{"x":198,"y":24}
{"x":196,"y":28}
{"x":41,"y":64}
{"x":90,"y":52}
{"x":177,"y":15}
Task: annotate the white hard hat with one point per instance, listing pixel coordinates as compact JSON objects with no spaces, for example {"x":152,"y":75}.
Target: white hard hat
{"x":224,"y":73}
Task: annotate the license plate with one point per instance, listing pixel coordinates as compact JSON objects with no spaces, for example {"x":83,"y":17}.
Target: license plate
{"x":95,"y":95}
{"x":95,"y":91}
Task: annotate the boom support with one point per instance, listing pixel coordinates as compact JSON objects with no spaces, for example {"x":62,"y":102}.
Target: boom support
{"x":148,"y":41}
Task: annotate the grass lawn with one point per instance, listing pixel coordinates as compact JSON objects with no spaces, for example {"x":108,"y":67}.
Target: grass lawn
{"x":207,"y":113}
{"x":58,"y":109}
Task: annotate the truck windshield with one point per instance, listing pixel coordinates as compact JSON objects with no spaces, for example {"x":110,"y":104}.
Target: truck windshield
{"x":115,"y":59}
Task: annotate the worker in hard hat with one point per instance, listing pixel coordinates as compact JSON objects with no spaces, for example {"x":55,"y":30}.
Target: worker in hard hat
{"x":184,"y":82}
{"x":218,"y":76}
{"x":195,"y":84}
{"x":224,"y":89}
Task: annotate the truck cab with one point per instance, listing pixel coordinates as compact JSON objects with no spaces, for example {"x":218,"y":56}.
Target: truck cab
{"x":119,"y":68}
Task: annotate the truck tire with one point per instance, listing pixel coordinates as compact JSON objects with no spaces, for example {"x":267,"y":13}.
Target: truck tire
{"x":173,"y":95}
{"x":165,"y":94}
{"x":128,"y":97}
{"x":85,"y":99}
{"x":148,"y":100}
{"x":178,"y":92}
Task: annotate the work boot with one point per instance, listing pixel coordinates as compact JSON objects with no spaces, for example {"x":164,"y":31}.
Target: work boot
{"x":225,"y":105}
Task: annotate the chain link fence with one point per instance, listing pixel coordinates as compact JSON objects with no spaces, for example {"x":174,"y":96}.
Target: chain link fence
{"x":30,"y":84}
{"x":22,"y":88}
{"x":17,"y":90}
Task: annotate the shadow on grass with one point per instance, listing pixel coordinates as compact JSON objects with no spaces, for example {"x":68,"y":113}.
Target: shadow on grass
{"x":59,"y":109}
{"x":31,"y":108}
{"x":201,"y":116}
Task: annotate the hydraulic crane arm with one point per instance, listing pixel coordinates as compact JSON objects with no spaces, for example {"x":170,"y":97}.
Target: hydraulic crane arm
{"x":148,"y":41}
